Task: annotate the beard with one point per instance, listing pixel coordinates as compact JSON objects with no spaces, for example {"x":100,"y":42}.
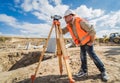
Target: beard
{"x":69,"y":21}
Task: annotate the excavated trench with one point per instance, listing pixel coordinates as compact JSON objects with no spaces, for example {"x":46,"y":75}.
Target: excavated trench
{"x":12,"y":61}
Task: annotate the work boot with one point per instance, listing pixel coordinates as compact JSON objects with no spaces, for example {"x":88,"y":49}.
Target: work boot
{"x":81,"y":73}
{"x":104,"y":76}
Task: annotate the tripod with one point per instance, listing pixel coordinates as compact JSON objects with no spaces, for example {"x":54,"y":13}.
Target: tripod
{"x":61,"y":49}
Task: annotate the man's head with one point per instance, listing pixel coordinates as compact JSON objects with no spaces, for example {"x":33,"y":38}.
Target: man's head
{"x":68,"y":16}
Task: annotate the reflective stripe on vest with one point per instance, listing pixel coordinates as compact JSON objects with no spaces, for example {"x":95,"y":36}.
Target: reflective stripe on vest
{"x":83,"y":36}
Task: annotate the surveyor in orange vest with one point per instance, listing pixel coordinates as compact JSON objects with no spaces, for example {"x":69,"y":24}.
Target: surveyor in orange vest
{"x":83,"y":35}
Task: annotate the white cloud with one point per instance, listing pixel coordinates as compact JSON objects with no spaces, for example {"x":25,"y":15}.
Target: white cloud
{"x":27,"y":5}
{"x":35,"y":28}
{"x":0,"y":33}
{"x":83,"y":11}
{"x":107,"y":24}
{"x":40,"y":15}
{"x":113,"y":19}
{"x":35,"y":4}
{"x":57,"y":2}
{"x":25,"y":27}
{"x":43,"y":9}
{"x":9,"y":20}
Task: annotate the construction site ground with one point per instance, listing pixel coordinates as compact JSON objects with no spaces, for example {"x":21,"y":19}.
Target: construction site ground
{"x":18,"y":66}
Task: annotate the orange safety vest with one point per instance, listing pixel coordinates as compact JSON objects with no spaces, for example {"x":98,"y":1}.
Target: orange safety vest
{"x":84,"y":36}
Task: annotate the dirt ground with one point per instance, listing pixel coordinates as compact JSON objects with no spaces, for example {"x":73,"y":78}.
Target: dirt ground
{"x":24,"y":66}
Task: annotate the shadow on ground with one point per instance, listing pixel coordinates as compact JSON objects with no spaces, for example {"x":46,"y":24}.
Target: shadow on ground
{"x":112,"y":51}
{"x":28,"y":59}
{"x":59,"y":79}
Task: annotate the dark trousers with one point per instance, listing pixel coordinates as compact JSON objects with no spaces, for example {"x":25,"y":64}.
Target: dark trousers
{"x":89,"y":49}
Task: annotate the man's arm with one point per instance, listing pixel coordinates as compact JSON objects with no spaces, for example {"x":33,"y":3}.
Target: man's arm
{"x":92,"y":34}
{"x":90,"y":29}
{"x":64,"y":30}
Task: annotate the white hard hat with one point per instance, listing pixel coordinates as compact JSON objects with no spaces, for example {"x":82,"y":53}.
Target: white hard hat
{"x":68,"y":12}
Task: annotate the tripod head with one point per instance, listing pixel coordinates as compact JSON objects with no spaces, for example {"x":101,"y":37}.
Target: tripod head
{"x":56,"y":17}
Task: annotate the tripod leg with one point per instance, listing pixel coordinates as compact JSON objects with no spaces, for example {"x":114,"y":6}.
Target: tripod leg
{"x":42,"y":54}
{"x":65,"y":54}
{"x":59,"y":54}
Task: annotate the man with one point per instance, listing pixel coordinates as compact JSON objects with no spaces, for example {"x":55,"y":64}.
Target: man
{"x":83,"y":35}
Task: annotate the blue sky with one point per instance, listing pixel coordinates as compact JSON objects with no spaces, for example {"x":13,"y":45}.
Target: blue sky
{"x":31,"y":18}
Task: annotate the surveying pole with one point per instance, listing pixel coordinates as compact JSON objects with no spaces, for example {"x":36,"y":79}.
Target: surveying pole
{"x":61,"y":49}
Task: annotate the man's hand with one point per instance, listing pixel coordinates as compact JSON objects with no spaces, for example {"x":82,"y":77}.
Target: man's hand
{"x":77,"y":45}
{"x":92,"y":38}
{"x":90,"y":43}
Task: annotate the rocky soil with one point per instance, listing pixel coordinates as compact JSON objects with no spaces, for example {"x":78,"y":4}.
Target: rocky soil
{"x":17,"y":67}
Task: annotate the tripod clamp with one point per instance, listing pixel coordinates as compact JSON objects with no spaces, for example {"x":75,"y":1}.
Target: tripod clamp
{"x":56,"y":19}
